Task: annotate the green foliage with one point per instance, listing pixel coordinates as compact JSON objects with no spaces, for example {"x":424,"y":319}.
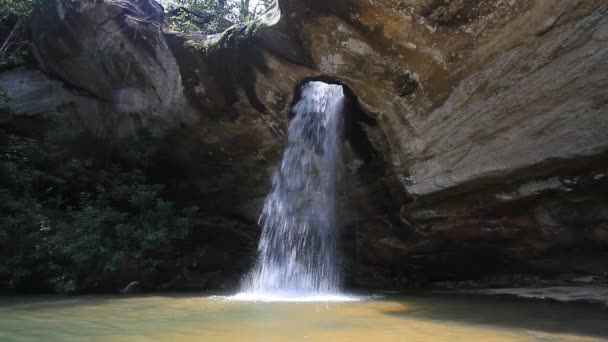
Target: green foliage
{"x":213,"y":16}
{"x":15,"y":47}
{"x":195,"y":20}
{"x":228,"y":38}
{"x":18,"y":8}
{"x":76,"y":221}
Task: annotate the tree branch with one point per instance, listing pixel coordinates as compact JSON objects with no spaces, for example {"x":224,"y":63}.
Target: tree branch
{"x":5,"y":45}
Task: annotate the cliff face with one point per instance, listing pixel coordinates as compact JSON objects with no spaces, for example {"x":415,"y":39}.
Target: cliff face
{"x":476,"y":129}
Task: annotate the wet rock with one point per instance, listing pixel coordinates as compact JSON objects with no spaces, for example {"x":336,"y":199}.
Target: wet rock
{"x":592,"y":295}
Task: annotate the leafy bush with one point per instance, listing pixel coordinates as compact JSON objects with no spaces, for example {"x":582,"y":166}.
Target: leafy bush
{"x":212,"y":16}
{"x":21,"y":8}
{"x":77,"y":221}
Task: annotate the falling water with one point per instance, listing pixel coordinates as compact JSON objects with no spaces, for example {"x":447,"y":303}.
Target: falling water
{"x":297,"y":250}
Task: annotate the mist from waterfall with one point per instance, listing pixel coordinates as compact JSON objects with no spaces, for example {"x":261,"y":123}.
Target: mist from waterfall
{"x":297,"y":251}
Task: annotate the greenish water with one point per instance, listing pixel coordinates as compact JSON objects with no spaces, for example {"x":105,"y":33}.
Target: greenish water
{"x":192,"y":318}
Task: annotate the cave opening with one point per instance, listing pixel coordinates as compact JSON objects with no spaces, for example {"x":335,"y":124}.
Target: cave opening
{"x":365,"y":142}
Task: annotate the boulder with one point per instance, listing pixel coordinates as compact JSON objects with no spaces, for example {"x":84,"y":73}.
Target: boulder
{"x":30,"y":94}
{"x":115,"y":52}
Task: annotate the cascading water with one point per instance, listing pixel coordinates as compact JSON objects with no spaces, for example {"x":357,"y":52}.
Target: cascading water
{"x":297,"y":250}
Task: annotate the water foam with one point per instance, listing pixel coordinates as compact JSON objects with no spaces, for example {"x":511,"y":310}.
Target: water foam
{"x":297,"y":259}
{"x":293,"y":298}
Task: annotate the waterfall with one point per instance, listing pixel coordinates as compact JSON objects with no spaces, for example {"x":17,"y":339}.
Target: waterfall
{"x":297,"y":250}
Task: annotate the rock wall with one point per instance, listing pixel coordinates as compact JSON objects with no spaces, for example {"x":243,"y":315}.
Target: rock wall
{"x":494,"y":116}
{"x":477,"y":140}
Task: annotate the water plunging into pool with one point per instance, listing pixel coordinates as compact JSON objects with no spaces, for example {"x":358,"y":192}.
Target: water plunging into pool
{"x":297,"y":250}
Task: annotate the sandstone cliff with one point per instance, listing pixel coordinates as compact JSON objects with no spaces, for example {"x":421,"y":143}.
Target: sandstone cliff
{"x":476,"y":129}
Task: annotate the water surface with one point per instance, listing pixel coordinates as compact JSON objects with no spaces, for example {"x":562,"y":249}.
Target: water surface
{"x":194,"y":318}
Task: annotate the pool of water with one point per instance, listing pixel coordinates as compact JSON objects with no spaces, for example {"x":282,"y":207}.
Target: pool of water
{"x":389,"y":318}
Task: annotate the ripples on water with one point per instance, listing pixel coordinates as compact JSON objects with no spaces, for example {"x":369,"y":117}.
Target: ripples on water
{"x":359,"y":318}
